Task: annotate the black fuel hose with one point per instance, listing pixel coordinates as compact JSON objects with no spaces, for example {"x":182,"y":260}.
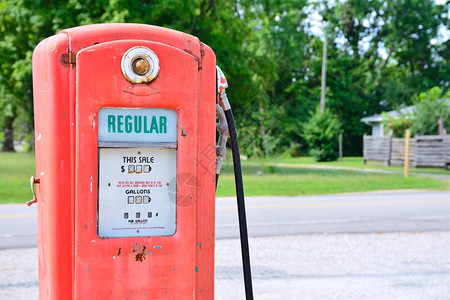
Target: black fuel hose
{"x":241,"y":204}
{"x":217,"y":180}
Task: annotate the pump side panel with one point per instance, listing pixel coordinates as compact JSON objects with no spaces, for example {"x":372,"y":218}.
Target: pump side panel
{"x":53,"y":111}
{"x":206,"y":158}
{"x":172,"y":266}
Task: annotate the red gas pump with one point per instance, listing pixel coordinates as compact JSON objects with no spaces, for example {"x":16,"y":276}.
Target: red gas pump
{"x":125,"y":148}
{"x":125,"y":159}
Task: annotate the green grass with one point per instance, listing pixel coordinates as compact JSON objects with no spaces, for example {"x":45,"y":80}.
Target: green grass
{"x":280,"y":179}
{"x":353,"y":162}
{"x":261,"y":177}
{"x":15,"y":172}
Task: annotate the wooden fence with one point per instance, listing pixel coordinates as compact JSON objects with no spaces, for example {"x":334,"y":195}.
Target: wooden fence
{"x":397,"y":156}
{"x":425,"y":151}
{"x":377,"y":148}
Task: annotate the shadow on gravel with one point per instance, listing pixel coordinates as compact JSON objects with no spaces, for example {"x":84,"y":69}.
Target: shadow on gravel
{"x":263,"y":272}
{"x":24,"y":284}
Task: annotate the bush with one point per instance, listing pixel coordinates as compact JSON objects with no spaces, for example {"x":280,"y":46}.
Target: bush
{"x":430,"y":107}
{"x":398,"y":124}
{"x":321,"y":134}
{"x":295,"y":150}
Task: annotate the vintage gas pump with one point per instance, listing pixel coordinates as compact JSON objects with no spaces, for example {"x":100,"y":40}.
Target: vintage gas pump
{"x":125,"y":152}
{"x":125,"y":159}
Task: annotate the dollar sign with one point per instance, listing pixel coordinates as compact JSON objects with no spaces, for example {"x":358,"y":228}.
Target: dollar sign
{"x":122,"y":168}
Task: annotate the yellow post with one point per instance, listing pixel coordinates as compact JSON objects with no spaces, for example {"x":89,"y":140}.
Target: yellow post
{"x":406,"y":163}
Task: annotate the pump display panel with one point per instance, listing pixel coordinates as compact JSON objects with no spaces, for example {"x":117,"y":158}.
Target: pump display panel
{"x":137,"y":172}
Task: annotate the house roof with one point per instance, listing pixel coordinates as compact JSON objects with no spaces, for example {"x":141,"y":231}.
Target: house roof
{"x":393,"y":113}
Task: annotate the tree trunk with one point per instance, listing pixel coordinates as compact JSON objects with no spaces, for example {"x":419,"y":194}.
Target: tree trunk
{"x":8,"y":142}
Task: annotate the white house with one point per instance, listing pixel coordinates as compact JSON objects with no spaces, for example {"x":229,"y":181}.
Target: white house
{"x":376,"y":121}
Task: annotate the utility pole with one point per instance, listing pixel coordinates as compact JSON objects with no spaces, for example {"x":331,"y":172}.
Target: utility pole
{"x":324,"y":73}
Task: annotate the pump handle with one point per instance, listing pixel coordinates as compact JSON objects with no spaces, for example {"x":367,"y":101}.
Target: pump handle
{"x":33,"y":181}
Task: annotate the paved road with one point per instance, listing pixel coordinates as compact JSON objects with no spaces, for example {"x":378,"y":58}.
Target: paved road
{"x":395,"y":211}
{"x":408,"y":265}
{"x":18,"y":226}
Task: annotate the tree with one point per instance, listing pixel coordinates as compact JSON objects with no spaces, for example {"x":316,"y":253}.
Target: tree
{"x":383,"y":53}
{"x":321,"y":133}
{"x":277,"y":47}
{"x":380,"y":54}
{"x":24,"y":23}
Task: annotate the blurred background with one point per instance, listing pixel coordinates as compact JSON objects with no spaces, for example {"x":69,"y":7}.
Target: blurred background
{"x":381,"y":56}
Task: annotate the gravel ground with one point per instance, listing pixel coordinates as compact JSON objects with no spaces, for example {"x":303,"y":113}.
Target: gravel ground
{"x":339,"y":266}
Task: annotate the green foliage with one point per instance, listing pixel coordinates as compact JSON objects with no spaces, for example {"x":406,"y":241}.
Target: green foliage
{"x":430,"y":107}
{"x":383,"y":52}
{"x":397,"y":125}
{"x":321,"y":133}
{"x":268,"y":52}
{"x":294,"y":150}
